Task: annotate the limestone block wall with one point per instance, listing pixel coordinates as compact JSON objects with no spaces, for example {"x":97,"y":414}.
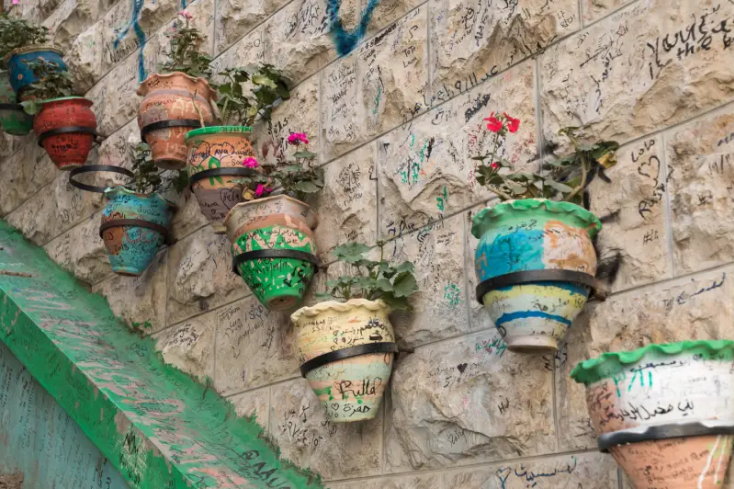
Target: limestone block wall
{"x":392,"y":94}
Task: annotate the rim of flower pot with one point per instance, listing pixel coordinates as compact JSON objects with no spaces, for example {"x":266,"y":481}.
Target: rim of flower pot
{"x":260,"y":201}
{"x":587,"y":219}
{"x":336,"y":306}
{"x":203,"y":131}
{"x":62,"y":99}
{"x":122,"y":188}
{"x":142,"y":89}
{"x":32,"y":48}
{"x":609,"y":364}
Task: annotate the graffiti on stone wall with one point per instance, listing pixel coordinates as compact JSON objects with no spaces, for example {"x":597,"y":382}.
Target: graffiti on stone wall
{"x":134,"y":24}
{"x":345,"y":40}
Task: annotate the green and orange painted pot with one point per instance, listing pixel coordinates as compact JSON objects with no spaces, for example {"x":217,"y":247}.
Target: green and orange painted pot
{"x":13,"y":119}
{"x":278,"y":225}
{"x":534,"y":235}
{"x":665,"y":412}
{"x":213,"y":151}
{"x":351,"y":389}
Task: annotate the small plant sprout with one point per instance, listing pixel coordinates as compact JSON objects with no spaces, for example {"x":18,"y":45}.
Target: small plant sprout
{"x":147,"y":177}
{"x":371,"y":280}
{"x":185,"y":55}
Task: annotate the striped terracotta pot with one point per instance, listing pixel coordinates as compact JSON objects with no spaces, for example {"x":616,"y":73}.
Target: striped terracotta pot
{"x":670,"y":389}
{"x":350,"y":389}
{"x":534,"y":234}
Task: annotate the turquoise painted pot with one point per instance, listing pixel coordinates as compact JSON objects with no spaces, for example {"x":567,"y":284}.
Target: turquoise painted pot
{"x":534,"y":234}
{"x":21,"y":75}
{"x":132,"y":248}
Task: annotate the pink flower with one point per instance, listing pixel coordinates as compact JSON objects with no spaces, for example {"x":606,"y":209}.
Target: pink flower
{"x":495,"y":166}
{"x":297,"y":138}
{"x":512,"y":124}
{"x":250,"y":162}
{"x":262,"y":189}
{"x":186,"y":15}
{"x":494,"y":124}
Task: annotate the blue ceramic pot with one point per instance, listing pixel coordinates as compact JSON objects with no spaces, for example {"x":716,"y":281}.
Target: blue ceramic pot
{"x":132,"y":248}
{"x":21,"y":75}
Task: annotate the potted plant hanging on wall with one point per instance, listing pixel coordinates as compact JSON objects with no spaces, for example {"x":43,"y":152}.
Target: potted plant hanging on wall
{"x":136,"y":220}
{"x":665,"y":412}
{"x":22,"y":43}
{"x":346,"y":345}
{"x":13,"y":119}
{"x":216,"y":153}
{"x":535,"y":260}
{"x":65,"y":124}
{"x":272,"y":237}
{"x":177,"y":100}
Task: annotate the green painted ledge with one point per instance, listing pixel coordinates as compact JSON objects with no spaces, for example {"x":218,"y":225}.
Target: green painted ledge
{"x":157,"y":426}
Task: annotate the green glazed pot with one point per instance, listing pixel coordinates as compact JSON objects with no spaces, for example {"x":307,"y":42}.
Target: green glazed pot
{"x":275,"y":223}
{"x":13,"y":120}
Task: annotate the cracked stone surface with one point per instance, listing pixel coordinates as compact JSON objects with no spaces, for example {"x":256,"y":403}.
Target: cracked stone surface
{"x":190,"y":347}
{"x":235,"y":19}
{"x":254,"y":404}
{"x":24,"y":174}
{"x":81,"y":251}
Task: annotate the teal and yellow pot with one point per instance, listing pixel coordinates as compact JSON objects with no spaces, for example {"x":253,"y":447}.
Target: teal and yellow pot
{"x":13,"y":119}
{"x":274,"y":248}
{"x":533,"y":311}
{"x":134,"y":227}
{"x":21,"y":75}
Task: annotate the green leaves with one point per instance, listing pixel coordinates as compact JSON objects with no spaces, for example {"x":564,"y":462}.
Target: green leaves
{"x":350,"y":252}
{"x":52,"y":82}
{"x":184,"y":54}
{"x":405,"y":284}
{"x":268,"y":89}
{"x":18,"y":33}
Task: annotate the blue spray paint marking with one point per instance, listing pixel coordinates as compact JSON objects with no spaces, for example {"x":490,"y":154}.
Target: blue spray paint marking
{"x":347,"y":41}
{"x":137,"y":7}
{"x":506,"y":318}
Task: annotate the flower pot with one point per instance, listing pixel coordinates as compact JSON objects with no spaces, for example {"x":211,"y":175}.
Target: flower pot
{"x":173,"y":105}
{"x":7,"y":95}
{"x":665,"y":412}
{"x":13,"y":119}
{"x":134,"y":227}
{"x":278,"y":223}
{"x":20,"y":73}
{"x":211,"y":150}
{"x":554,"y":241}
{"x":66,"y":128}
{"x":351,"y":388}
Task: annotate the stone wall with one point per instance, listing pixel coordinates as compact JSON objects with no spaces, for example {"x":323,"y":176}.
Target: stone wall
{"x":395,"y":119}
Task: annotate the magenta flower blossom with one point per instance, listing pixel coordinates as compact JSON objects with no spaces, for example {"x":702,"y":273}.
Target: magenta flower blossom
{"x":297,"y":138}
{"x":262,"y":189}
{"x":186,"y":15}
{"x":250,"y":162}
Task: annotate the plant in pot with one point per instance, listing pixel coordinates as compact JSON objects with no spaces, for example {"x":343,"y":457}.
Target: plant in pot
{"x":346,"y":344}
{"x":216,"y":153}
{"x":64,"y":124}
{"x":136,"y":219}
{"x":178,"y":99}
{"x":536,"y":261}
{"x":20,"y":44}
{"x":665,"y":412}
{"x":272,"y":236}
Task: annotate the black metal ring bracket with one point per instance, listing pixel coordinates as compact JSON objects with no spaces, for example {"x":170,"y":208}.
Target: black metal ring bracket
{"x":11,"y":107}
{"x":95,"y":168}
{"x":195,"y":123}
{"x":534,"y":276}
{"x":259,"y":254}
{"x":354,"y":351}
{"x":66,"y":130}
{"x":220,"y":172}
{"x":133,"y":222}
{"x":664,"y":432}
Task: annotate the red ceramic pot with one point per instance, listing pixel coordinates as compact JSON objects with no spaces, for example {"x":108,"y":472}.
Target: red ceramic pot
{"x":68,"y":150}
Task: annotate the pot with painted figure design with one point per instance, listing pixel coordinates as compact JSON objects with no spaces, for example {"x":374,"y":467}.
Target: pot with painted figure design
{"x":214,"y":165}
{"x":134,"y":227}
{"x":274,"y":248}
{"x":535,"y":263}
{"x":173,"y":104}
{"x":665,"y":412}
{"x":351,"y":388}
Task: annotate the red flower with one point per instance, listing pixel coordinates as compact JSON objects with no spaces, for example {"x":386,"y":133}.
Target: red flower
{"x":494,"y":124}
{"x":262,"y":189}
{"x":512,"y":124}
{"x":495,"y":166}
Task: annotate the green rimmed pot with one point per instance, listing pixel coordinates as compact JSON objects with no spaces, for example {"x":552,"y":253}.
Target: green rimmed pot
{"x":665,"y":412}
{"x":215,"y":161}
{"x":359,"y":332}
{"x":535,"y":264}
{"x":274,"y":249}
{"x":13,"y":119}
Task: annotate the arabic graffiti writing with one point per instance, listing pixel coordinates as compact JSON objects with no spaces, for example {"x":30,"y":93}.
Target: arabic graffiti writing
{"x":527,"y":475}
{"x":686,"y":296}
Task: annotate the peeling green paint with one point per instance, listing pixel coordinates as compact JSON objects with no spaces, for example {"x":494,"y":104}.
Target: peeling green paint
{"x":156,"y":425}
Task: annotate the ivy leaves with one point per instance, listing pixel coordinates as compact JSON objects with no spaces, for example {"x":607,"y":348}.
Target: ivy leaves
{"x":269,"y":89}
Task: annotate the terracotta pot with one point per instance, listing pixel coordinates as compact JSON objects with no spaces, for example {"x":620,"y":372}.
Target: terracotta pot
{"x":274,"y":223}
{"x":20,"y":73}
{"x":132,"y":248}
{"x":171,"y":97}
{"x":68,"y":150}
{"x":13,"y":119}
{"x":673,"y":388}
{"x":212,"y":148}
{"x":534,"y":234}
{"x":350,"y":389}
